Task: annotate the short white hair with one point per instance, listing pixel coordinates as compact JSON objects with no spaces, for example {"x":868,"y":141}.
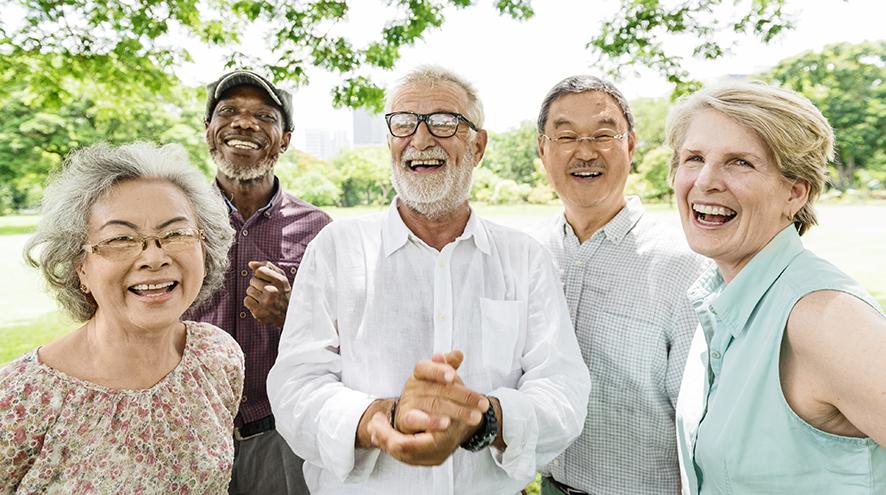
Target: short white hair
{"x":434,"y":74}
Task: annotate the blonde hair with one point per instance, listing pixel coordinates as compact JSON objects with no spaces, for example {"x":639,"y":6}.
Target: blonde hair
{"x":798,"y":136}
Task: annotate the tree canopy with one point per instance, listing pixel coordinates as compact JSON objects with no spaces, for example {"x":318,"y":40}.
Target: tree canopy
{"x":121,"y":45}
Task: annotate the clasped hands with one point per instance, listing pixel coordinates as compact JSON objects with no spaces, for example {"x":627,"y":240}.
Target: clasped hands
{"x":434,"y":415}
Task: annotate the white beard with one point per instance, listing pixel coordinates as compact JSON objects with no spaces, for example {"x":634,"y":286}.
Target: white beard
{"x":436,"y":194}
{"x":243,"y":174}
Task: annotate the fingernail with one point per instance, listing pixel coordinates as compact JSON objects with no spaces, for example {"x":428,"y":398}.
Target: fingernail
{"x":483,"y":404}
{"x":448,"y":376}
{"x":475,"y":416}
{"x":444,"y":423}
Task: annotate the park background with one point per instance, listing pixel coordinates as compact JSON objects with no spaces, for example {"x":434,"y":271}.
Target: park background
{"x":76,"y":72}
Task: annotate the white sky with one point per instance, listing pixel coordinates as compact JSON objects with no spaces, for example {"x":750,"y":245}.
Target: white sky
{"x":513,"y":64}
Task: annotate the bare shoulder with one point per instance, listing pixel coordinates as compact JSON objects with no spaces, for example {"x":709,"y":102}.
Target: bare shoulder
{"x":830,"y":317}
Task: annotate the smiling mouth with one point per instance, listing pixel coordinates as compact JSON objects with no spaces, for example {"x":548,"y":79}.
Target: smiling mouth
{"x":416,"y":165}
{"x":153,"y":290}
{"x":712,"y":215}
{"x":242,"y":144}
{"x":586,"y":174}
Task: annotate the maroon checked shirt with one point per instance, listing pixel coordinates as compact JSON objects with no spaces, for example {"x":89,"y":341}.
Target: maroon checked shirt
{"x":278,"y":233}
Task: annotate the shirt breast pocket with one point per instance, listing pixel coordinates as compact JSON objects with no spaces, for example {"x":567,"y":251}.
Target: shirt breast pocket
{"x":502,"y":324}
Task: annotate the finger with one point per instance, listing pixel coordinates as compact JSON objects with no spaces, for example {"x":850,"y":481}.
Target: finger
{"x":434,"y":372}
{"x":406,"y":448}
{"x":268,"y":276}
{"x":441,"y":406}
{"x":416,"y":420}
{"x":255,"y":293}
{"x":251,"y":304}
{"x":455,"y":358}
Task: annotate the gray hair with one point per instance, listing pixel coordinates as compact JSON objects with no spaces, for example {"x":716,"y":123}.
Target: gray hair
{"x":578,"y":85}
{"x":799,"y":137}
{"x":433,"y":75}
{"x":88,"y":175}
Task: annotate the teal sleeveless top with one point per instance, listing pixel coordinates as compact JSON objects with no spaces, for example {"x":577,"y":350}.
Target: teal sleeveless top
{"x":736,"y":432}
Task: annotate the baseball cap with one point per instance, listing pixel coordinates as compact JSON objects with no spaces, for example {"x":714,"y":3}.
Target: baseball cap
{"x":280,"y":97}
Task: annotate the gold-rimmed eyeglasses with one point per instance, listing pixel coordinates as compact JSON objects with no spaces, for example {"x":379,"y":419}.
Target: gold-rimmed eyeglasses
{"x":124,"y":247}
{"x":569,"y":142}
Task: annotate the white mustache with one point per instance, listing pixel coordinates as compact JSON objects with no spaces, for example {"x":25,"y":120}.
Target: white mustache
{"x":435,"y":153}
{"x":585,"y":164}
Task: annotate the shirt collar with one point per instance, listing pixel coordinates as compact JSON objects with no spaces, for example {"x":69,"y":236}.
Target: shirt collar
{"x":267,"y":210}
{"x":739,"y":297}
{"x":395,"y":233}
{"x":617,"y":228}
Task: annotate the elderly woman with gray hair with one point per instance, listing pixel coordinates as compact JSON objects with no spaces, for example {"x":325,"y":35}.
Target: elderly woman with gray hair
{"x":134,"y":400}
{"x":784,"y":389}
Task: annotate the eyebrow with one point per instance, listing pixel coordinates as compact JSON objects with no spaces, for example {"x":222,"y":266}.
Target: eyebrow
{"x":135,"y":227}
{"x":605,"y":120}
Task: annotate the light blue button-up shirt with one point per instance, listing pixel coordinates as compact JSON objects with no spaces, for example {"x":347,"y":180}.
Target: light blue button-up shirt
{"x":736,"y":432}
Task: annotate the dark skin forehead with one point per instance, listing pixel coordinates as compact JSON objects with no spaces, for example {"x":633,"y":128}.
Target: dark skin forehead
{"x":247,"y":94}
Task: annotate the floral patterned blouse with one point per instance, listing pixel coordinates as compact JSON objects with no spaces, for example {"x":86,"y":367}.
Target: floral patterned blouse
{"x":62,"y":435}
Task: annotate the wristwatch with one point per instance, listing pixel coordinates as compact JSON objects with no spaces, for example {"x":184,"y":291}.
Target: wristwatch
{"x":485,"y":435}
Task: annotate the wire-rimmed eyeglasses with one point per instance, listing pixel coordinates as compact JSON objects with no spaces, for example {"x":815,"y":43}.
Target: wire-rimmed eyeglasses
{"x":123,"y":247}
{"x":569,"y":142}
{"x":439,"y":124}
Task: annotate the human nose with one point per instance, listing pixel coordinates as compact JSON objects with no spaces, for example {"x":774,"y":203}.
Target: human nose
{"x":585,"y":148}
{"x":422,"y":138}
{"x":709,"y":178}
{"x":152,"y":252}
{"x":244,"y":121}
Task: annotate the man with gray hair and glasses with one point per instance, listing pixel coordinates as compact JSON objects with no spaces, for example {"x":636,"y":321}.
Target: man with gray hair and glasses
{"x":625,"y":279}
{"x":428,"y":351}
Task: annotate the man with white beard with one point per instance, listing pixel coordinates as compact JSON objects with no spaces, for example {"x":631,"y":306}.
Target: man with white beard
{"x":248,"y":126}
{"x":427,"y":351}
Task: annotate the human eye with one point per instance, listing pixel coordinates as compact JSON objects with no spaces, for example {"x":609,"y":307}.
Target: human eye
{"x":566,"y":138}
{"x":268,"y":117}
{"x":120,"y":241}
{"x":224,"y":110}
{"x":741,"y":162}
{"x":443,"y":120}
{"x":693,"y":157}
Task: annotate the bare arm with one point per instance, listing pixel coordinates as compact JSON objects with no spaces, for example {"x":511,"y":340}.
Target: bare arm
{"x":833,"y":370}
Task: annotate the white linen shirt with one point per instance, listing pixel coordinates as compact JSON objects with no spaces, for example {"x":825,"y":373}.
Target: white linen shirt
{"x":371,"y":299}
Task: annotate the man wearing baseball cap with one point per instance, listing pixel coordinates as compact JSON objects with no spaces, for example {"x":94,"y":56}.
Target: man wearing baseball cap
{"x":248,"y":125}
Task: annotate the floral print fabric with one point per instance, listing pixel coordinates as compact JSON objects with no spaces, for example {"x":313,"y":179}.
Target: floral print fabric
{"x":59,"y":434}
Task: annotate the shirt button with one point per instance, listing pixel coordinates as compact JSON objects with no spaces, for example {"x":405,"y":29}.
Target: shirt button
{"x":556,"y":462}
{"x":242,"y":314}
{"x":267,"y":214}
{"x":243,"y":399}
{"x":245,"y":232}
{"x":293,"y":270}
{"x":441,"y":317}
{"x":243,"y":273}
{"x":579,"y":263}
{"x":715,"y":354}
{"x":713,"y":311}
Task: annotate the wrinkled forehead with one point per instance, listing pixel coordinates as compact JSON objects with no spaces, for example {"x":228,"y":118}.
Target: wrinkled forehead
{"x":426,"y":97}
{"x":587,"y":109}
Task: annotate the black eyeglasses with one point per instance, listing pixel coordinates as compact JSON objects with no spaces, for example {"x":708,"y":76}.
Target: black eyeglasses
{"x":439,"y":124}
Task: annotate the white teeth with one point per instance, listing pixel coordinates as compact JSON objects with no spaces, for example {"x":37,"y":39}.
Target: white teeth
{"x":243,"y":145}
{"x":713,"y":210}
{"x":152,"y":286}
{"x":426,"y":163}
{"x":586,"y":174}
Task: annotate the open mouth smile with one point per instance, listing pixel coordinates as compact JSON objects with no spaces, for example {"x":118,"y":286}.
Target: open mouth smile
{"x":153,"y":289}
{"x":242,"y":143}
{"x":713,"y":216}
{"x":586,"y":174}
{"x":424,"y":164}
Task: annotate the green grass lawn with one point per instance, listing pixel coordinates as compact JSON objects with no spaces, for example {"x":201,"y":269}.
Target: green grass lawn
{"x":852,"y":236}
